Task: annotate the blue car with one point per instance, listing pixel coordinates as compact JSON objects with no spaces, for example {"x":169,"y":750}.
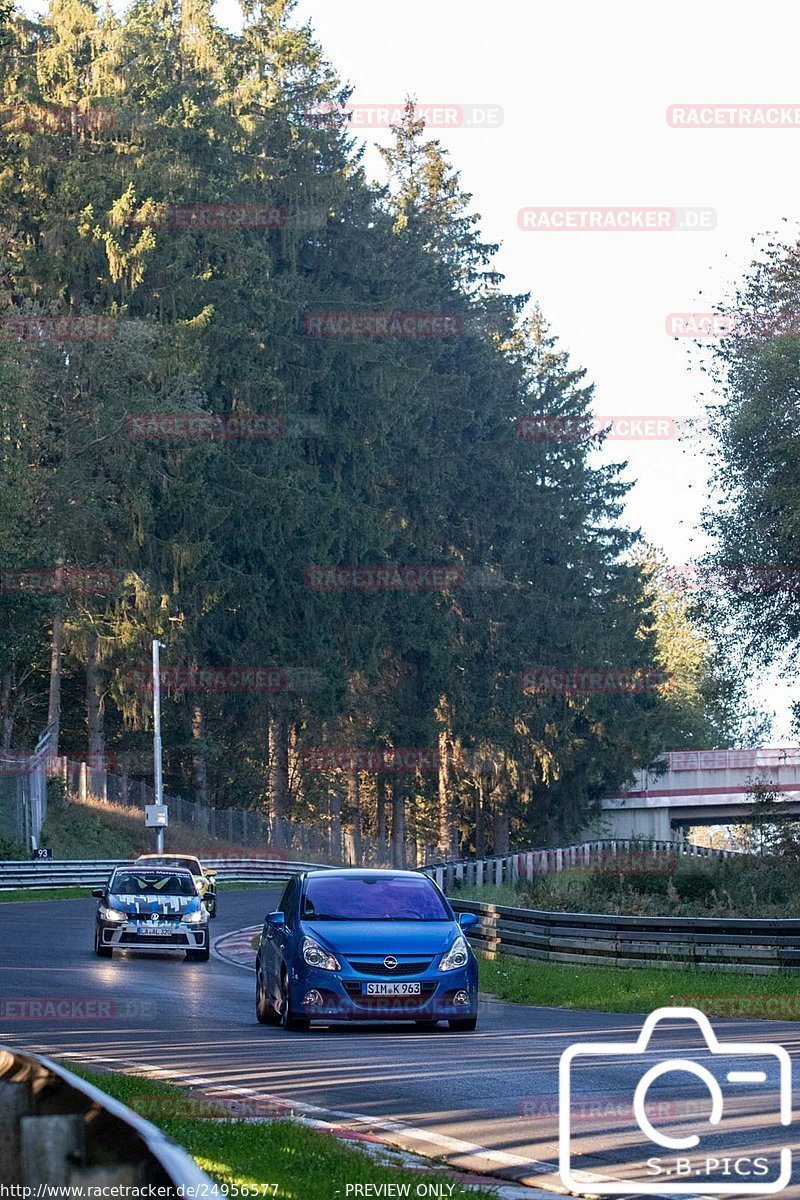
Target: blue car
{"x":365,"y":945}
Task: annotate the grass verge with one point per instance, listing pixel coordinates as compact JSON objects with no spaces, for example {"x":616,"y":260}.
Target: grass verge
{"x":640,"y":989}
{"x":65,"y":893}
{"x":279,"y":1158}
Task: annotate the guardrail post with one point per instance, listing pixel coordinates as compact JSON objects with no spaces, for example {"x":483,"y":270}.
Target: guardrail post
{"x":479,"y":873}
{"x":82,"y":781}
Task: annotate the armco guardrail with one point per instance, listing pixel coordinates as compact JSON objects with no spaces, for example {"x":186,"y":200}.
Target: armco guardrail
{"x":59,"y":1131}
{"x":724,"y":944}
{"x":92,"y":873}
{"x":527,"y":864}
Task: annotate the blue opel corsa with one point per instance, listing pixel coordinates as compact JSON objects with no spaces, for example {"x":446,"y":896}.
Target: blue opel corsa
{"x":353,"y":945}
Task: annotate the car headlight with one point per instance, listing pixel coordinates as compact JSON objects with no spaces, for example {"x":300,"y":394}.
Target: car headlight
{"x":112,"y":914}
{"x":457,"y":956}
{"x":316,"y":956}
{"x":194,"y":918}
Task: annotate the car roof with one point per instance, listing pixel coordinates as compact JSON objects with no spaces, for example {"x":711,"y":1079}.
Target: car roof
{"x":185,"y":857}
{"x":360,"y":872}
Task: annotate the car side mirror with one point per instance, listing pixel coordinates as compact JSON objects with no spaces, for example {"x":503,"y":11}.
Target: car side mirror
{"x":467,"y":920}
{"x":276,"y":919}
{"x":98,"y":893}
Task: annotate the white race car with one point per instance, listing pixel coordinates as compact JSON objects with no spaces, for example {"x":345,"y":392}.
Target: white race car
{"x":151,"y":908}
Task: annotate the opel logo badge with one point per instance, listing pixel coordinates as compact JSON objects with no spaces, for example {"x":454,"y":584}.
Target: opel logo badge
{"x":390,"y":963}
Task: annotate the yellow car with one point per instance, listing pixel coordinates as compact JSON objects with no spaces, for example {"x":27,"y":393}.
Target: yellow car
{"x":205,"y":881}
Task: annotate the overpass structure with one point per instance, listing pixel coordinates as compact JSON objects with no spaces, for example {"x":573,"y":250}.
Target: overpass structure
{"x":700,"y":787}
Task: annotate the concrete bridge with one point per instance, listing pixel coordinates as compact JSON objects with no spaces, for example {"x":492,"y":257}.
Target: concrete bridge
{"x":700,"y":787}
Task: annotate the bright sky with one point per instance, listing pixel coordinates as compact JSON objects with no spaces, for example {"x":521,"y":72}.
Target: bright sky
{"x":584,"y":90}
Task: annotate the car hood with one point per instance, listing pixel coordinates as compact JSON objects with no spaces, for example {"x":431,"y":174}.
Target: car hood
{"x":145,"y":906}
{"x":384,"y":937}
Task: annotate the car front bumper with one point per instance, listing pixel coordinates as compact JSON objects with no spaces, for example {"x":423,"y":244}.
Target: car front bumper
{"x":163,"y":937}
{"x":343,"y":995}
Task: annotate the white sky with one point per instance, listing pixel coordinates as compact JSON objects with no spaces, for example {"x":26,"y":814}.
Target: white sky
{"x":584,"y":89}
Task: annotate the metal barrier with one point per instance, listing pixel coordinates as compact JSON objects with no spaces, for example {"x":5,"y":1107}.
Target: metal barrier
{"x":756,"y":947}
{"x":627,"y":855}
{"x":58,"y":1130}
{"x":92,"y":873}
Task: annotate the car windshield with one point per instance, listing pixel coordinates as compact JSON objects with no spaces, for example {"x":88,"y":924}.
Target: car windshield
{"x":185,"y":864}
{"x":373,"y":898}
{"x":149,"y":883}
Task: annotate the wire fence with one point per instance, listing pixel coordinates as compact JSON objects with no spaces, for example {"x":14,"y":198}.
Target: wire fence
{"x":23,"y":793}
{"x":23,"y":809}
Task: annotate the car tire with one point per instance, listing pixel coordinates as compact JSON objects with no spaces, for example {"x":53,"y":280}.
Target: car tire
{"x":423,"y":1024}
{"x":289,"y":1021}
{"x":198,"y":955}
{"x":212,"y":910}
{"x":266,"y":1013}
{"x":463,"y":1024}
{"x":100,"y":950}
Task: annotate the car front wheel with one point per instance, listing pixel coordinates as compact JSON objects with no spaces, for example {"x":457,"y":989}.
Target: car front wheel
{"x":463,"y":1024}
{"x":266,"y":1013}
{"x":289,"y":1021}
{"x":100,"y":950}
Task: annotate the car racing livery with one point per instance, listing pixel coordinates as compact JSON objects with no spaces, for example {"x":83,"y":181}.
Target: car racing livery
{"x":205,"y":880}
{"x":156,"y":909}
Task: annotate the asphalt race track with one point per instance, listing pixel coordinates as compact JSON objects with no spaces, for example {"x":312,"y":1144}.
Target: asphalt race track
{"x":485,"y":1100}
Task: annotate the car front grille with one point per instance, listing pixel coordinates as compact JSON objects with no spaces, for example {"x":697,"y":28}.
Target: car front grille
{"x":142,"y":939}
{"x":376,"y":966}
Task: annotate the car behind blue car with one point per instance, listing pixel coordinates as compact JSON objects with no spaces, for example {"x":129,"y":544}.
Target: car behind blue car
{"x":365,"y":945}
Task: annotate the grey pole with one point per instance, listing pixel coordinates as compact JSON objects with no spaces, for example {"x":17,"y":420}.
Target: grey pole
{"x":157,"y":780}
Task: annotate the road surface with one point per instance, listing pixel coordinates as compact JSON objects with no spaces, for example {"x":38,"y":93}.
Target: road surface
{"x":486,"y":1100}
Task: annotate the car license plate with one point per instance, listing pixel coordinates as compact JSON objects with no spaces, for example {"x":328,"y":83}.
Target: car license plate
{"x":392,"y":989}
{"x":158,"y":930}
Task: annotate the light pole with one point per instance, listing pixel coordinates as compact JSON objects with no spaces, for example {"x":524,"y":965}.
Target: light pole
{"x":157,"y":780}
